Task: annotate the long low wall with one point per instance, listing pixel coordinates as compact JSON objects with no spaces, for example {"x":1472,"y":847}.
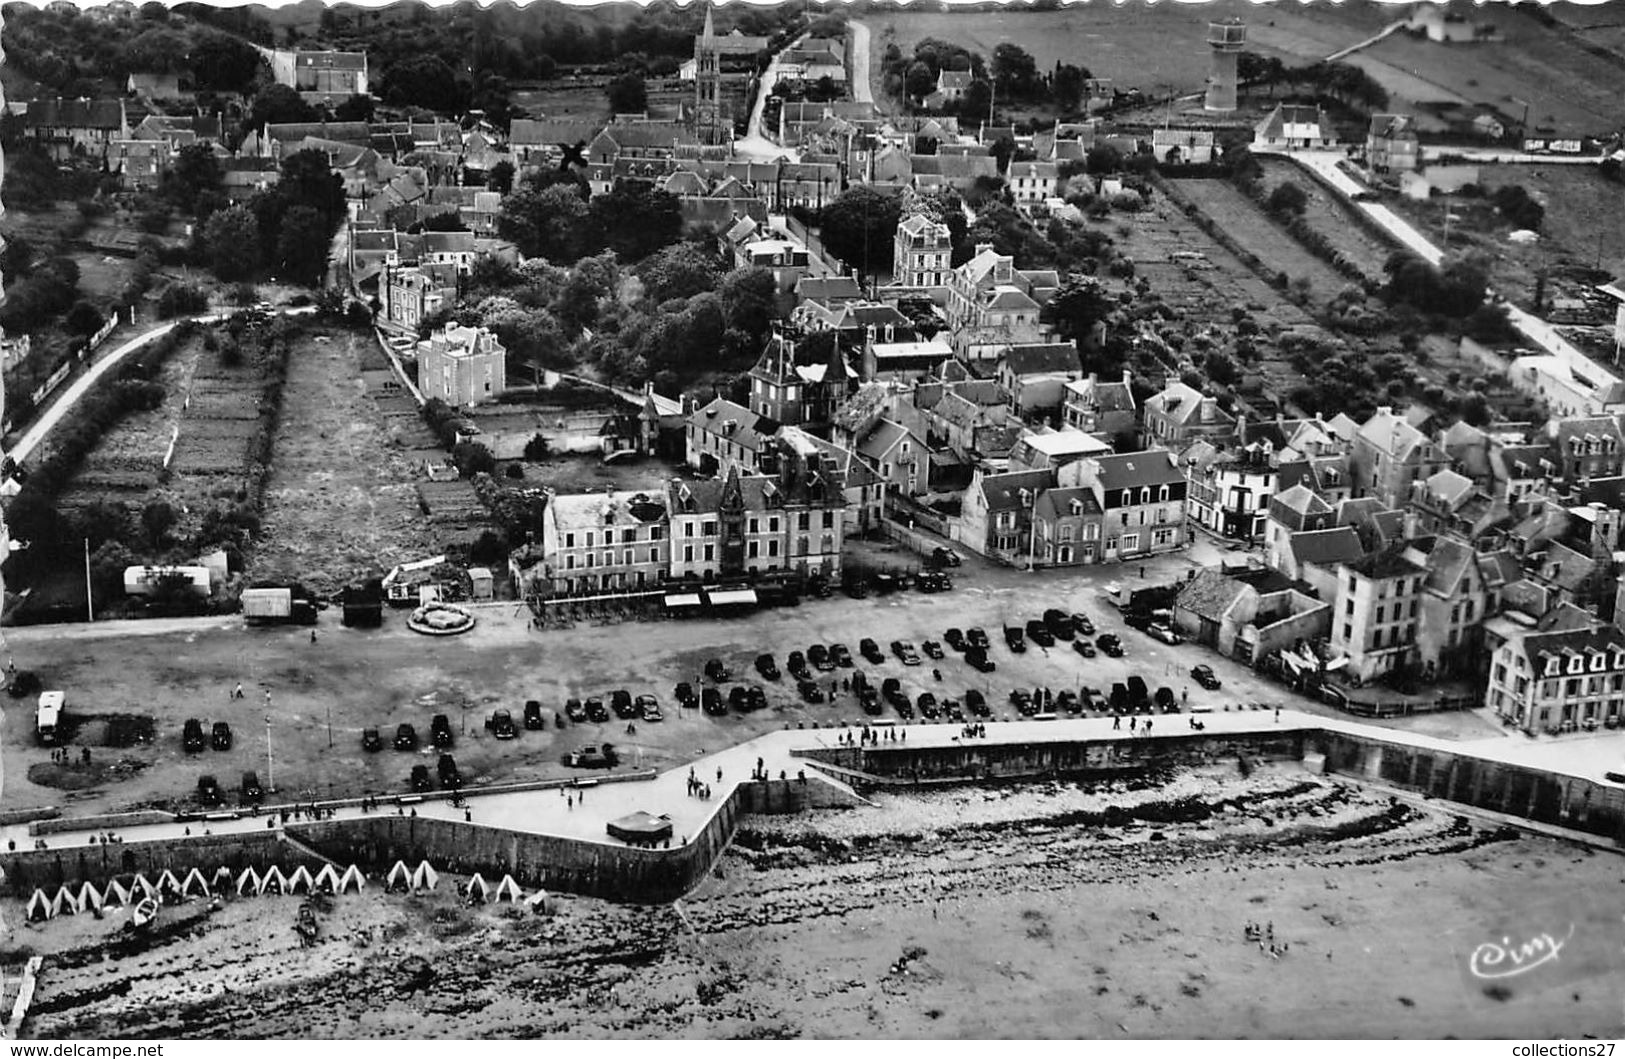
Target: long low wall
{"x":1548,"y":798}
{"x":49,"y":868}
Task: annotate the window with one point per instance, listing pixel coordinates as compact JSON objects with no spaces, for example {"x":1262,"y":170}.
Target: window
{"x":655,"y":533}
{"x":1111,"y":544}
{"x":688,"y":529}
{"x":590,"y":558}
{"x":1348,"y":608}
{"x":1348,"y":632}
{"x":709,"y":529}
{"x":754,"y":525}
{"x":1380,"y":611}
{"x":629,"y":558}
{"x":773,"y":524}
{"x":1162,"y":514}
{"x":829,"y":520}
{"x":1091,"y":531}
{"x":772,"y":549}
{"x":688,"y":553}
{"x":589,"y":538}
{"x":569,"y":540}
{"x":803,"y":522}
{"x":654,"y":555}
{"x":569,"y":562}
{"x":710,"y":552}
{"x":628,"y":536}
{"x":753,"y":550}
{"x":1131,"y":542}
{"x":1068,"y":532}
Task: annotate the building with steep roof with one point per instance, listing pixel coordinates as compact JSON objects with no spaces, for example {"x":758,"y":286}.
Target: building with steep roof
{"x":1067,"y":527}
{"x":321,"y":76}
{"x":75,"y":128}
{"x":1142,"y":497}
{"x":797,"y":394}
{"x":1106,"y":409}
{"x":462,"y":365}
{"x":722,"y":435}
{"x":996,"y":514}
{"x":922,"y":252}
{"x":1391,"y":145}
{"x":1292,"y":125}
{"x":1559,"y":680}
{"x":1180,"y":415}
{"x":991,"y":305}
{"x":1389,"y":454}
{"x":1031,"y":183}
{"x":605,"y":542}
{"x":1036,"y":375}
{"x":1377,"y":609}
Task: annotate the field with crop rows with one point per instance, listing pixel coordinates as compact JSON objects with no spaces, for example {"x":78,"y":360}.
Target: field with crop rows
{"x":1252,"y":229}
{"x":1331,"y":217}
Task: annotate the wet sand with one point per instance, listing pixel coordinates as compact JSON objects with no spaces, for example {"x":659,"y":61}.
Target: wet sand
{"x":1042,"y":910}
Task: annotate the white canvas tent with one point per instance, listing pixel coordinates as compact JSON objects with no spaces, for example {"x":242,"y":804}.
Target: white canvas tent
{"x":274,"y":881}
{"x":300,"y":881}
{"x":40,"y":907}
{"x":141,"y":887}
{"x":195,"y":885}
{"x":168,"y":884}
{"x":476,"y":891}
{"x":66,"y":901}
{"x":114,"y":893}
{"x":327,"y":880}
{"x":249,"y":880}
{"x":425,"y":878}
{"x":508,"y":890}
{"x":221,"y":881}
{"x":399,"y":878}
{"x":352,"y":877}
{"x":89,"y":898}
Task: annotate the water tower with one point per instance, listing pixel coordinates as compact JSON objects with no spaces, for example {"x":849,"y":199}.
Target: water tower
{"x":1225,"y":40}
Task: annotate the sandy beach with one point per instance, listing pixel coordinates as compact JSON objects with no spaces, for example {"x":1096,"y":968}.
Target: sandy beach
{"x":1053,"y":910}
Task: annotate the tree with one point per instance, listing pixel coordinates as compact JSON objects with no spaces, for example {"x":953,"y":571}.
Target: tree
{"x":356,"y":108}
{"x":195,"y":170}
{"x":472,"y":458}
{"x":277,"y":105}
{"x":1288,"y":199}
{"x":550,"y":222}
{"x":1067,"y":86}
{"x":423,"y":80}
{"x":1103,"y":158}
{"x":681,"y":270}
{"x":302,"y":245}
{"x":1518,"y":207}
{"x":635,"y":219}
{"x":158,"y":50}
{"x":1014,"y":71}
{"x":157,"y":519}
{"x":223,"y":63}
{"x":858,"y":227}
{"x":15,"y":257}
{"x":749,"y":302}
{"x":500,"y":178}
{"x":308,"y":180}
{"x":536,"y":448}
{"x":107,"y":566}
{"x":628,"y":94}
{"x":231,"y":239}
{"x":1077,"y":308}
{"x":920,"y":80}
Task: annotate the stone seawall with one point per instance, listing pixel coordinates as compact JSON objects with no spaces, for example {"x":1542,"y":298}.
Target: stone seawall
{"x":1544,"y":797}
{"x":49,"y":868}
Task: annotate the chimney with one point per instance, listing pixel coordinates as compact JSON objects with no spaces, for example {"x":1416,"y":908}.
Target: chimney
{"x":1412,"y":524}
{"x":1128,"y":378}
{"x":1241,"y":427}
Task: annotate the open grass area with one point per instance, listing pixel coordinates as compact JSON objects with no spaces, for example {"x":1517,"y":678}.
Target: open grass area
{"x":1151,"y":47}
{"x":341,"y":502}
{"x":1332,"y":217}
{"x":1252,"y":229}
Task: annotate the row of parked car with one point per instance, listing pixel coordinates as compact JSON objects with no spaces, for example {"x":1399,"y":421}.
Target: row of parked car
{"x":406,"y":736}
{"x":193,"y":740}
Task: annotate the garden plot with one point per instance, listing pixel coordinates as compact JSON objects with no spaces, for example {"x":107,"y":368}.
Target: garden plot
{"x":1244,"y":221}
{"x":1332,"y":218}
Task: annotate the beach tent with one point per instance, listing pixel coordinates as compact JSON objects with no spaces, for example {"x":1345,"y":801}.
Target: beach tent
{"x":425,"y":877}
{"x":508,"y":890}
{"x":114,"y":893}
{"x":89,"y":898}
{"x":352,"y":877}
{"x":40,"y":907}
{"x":221,"y":881}
{"x":399,"y":878}
{"x":476,"y":891}
{"x":249,"y":880}
{"x":141,"y":887}
{"x":66,"y":901}
{"x":274,"y":881}
{"x":195,"y":885}
{"x":327,"y":880}
{"x":168,"y":885}
{"x":300,"y":881}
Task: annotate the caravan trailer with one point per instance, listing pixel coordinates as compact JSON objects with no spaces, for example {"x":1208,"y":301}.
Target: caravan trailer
{"x":49,"y":716}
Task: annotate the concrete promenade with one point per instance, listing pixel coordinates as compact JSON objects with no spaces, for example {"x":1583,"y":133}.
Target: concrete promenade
{"x":582,"y":812}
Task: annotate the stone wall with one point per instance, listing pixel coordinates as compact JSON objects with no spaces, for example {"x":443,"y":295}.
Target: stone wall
{"x":49,"y":868}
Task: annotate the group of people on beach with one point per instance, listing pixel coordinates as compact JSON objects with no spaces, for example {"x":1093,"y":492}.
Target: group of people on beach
{"x":1265,"y":937}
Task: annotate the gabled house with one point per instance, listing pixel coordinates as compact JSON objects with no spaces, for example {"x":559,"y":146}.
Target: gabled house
{"x":921,"y":252}
{"x":996,"y":514}
{"x":991,"y":305}
{"x":1031,"y":183}
{"x":1180,"y":415}
{"x":1377,"y":609}
{"x":1105,"y":409}
{"x":1389,"y":454}
{"x":1560,"y":680}
{"x":723,"y":435}
{"x":1142,"y":498}
{"x":1176,"y":147}
{"x":1391,"y":145}
{"x":321,"y":76}
{"x":598,"y":542}
{"x":1292,"y":125}
{"x":76,"y":128}
{"x":897,"y":457}
{"x":1036,"y":376}
{"x":1067,"y":527}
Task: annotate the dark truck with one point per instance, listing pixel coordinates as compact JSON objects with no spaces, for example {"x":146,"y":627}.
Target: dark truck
{"x":592,"y":757}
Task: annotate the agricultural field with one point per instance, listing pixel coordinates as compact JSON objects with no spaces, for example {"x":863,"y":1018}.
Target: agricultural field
{"x":1154,"y":48}
{"x":1252,"y":229}
{"x":341,"y":499}
{"x":563,"y":99}
{"x":1331,"y":217}
{"x":1571,"y":90}
{"x":1580,"y":228}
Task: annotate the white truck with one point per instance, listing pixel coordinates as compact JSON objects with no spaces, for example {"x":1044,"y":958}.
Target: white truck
{"x":49,"y":716}
{"x":278,"y":606}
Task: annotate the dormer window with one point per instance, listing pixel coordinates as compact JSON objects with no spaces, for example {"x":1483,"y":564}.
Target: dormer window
{"x":1553,"y":666}
{"x":1599,"y":662}
{"x":1145,"y":494}
{"x":1576,"y":664}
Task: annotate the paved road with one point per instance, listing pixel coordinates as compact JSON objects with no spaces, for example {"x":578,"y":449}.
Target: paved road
{"x":858,"y":76}
{"x":756,"y":146}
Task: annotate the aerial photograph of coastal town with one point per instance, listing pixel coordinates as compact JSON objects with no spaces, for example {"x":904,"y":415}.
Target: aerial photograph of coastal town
{"x":790,"y":520}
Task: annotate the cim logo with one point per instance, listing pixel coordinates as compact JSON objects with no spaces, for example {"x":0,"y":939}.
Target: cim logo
{"x":1510,"y":958}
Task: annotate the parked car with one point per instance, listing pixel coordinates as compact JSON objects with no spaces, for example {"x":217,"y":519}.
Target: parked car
{"x":620,"y":700}
{"x":1014,"y":640}
{"x":592,"y":757}
{"x":419,"y":781}
{"x":796,"y":665}
{"x":840,"y":655}
{"x":534,"y":721}
{"x":976,"y":703}
{"x":715,"y":671}
{"x":905,"y":652}
{"x":220,"y":736}
{"x":932,"y":649}
{"x":1120,"y":700}
{"x":870,"y":651}
{"x":1139,"y":694}
{"x":891,"y":689}
{"x":818,"y":655}
{"x":574,"y":710}
{"x":977,"y":637}
{"x":1164,"y":633}
{"x":1039,"y":634}
{"x":440,"y":730}
{"x":855,"y":588}
{"x":945,"y":557}
{"x":1165,"y":701}
{"x":1068,"y":702}
{"x":208,"y":791}
{"x":450,"y":778}
{"x":978,"y":660}
{"x":1082,"y":625}
{"x":501,"y":725}
{"x":192,"y":739}
{"x":1059,"y":623}
{"x":1109,"y":645}
{"x":927,"y":705}
{"x":756,"y":698}
{"x":649,"y":709}
{"x":250,"y":787}
{"x":597,"y":712}
{"x":711,"y":702}
{"x":932,"y":582}
{"x":810,"y":691}
{"x":739,"y":698}
{"x":371,"y":741}
{"x":1084,"y":647}
{"x":1203,"y":675}
{"x":767,"y":667}
{"x":955,"y":639}
{"x":684,"y":694}
{"x":1022,"y":700}
{"x":406,"y":737}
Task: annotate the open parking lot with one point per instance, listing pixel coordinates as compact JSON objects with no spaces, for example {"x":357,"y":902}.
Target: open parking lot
{"x":167,"y":672}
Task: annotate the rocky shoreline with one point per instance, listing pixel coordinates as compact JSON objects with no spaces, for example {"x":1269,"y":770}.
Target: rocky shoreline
{"x":1054,"y":909}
